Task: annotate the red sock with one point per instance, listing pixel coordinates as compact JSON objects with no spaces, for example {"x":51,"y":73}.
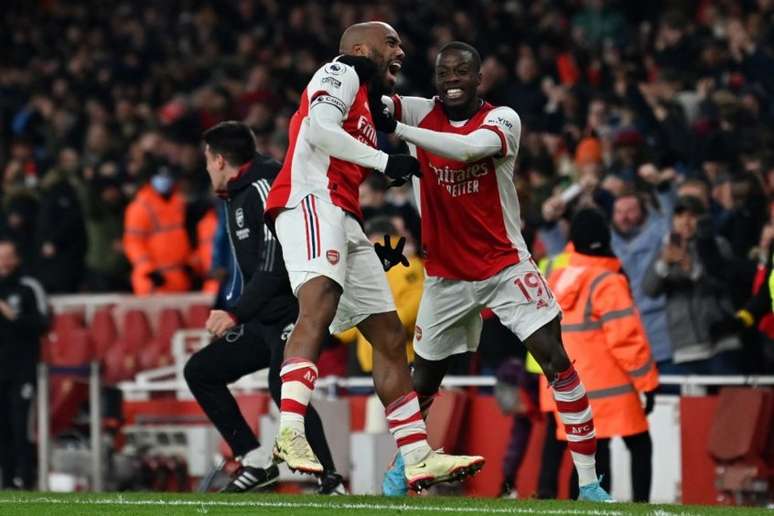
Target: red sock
{"x":408,"y":428}
{"x":574,"y":410}
{"x":298,"y":377}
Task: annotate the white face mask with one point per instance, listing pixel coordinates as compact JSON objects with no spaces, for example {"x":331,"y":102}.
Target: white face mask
{"x":162,"y":183}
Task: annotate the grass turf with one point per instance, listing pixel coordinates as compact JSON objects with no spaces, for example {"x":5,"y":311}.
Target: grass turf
{"x":42,"y":504}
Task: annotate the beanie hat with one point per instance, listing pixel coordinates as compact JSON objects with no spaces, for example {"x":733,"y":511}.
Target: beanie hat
{"x":589,"y":150}
{"x":590,"y":233}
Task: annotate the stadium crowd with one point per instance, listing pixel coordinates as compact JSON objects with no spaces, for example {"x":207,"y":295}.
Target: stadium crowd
{"x":660,"y":112}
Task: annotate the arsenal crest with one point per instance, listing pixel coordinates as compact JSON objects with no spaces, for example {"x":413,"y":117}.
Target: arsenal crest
{"x":333,"y":256}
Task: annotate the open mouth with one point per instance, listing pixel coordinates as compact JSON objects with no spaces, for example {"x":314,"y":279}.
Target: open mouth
{"x":454,"y":93}
{"x":393,"y":69}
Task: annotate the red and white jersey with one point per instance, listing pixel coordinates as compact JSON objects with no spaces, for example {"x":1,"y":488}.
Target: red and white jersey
{"x":307,"y":168}
{"x":471,"y":222}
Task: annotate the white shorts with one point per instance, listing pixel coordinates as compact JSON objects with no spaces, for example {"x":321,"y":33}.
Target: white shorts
{"x":320,"y":239}
{"x":449,"y":318}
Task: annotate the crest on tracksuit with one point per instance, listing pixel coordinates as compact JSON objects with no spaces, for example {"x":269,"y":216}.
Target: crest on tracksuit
{"x":239,"y":215}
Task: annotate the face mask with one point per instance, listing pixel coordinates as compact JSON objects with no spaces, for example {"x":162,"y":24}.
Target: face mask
{"x":162,"y":183}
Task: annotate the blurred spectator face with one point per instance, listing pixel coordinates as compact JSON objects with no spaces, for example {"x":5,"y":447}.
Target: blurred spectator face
{"x":684,"y":224}
{"x":111,"y":196}
{"x":597,"y":114}
{"x":627,"y":214}
{"x":98,"y":139}
{"x":9,"y":259}
{"x":68,"y":160}
{"x":21,"y":150}
{"x":492,"y":73}
{"x":686,"y":216}
{"x":526,"y":68}
{"x":672,"y":34}
{"x":259,"y":79}
{"x":713,"y":170}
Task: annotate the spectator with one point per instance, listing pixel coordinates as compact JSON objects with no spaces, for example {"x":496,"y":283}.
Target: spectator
{"x":61,"y":229}
{"x":107,"y":267}
{"x":688,"y":272}
{"x":20,"y":216}
{"x":526,"y":93}
{"x":155,"y":238}
{"x":599,"y":23}
{"x":23,"y":319}
{"x":637,"y":232}
{"x":741,"y":224}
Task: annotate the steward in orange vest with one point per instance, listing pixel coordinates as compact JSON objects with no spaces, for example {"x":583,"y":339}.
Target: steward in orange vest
{"x":155,"y":239}
{"x":605,"y":339}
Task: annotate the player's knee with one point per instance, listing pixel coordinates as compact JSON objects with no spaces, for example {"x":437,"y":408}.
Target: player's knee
{"x":192,"y":372}
{"x":549,"y":353}
{"x":426,"y":377}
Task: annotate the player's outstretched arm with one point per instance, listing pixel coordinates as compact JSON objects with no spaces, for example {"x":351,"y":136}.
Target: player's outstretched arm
{"x":477,"y":145}
{"x":497,"y":136}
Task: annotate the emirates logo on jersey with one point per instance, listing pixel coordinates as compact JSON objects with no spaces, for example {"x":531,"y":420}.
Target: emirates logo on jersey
{"x":418,"y":332}
{"x":460,"y":181}
{"x":366,"y":132}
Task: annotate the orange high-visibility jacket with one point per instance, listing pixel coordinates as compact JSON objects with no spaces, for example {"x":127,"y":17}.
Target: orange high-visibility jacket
{"x":205,"y":231}
{"x":155,"y":239}
{"x":604,"y":337}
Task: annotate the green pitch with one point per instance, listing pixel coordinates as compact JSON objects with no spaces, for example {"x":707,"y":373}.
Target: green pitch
{"x":161,"y":504}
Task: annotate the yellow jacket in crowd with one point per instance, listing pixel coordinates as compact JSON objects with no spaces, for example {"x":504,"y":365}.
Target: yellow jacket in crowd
{"x":406,"y":285}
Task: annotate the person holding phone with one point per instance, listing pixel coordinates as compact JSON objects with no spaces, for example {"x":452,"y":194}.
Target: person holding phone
{"x":687,"y":271}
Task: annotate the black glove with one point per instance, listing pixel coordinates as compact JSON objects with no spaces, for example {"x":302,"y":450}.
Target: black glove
{"x":383,"y":119}
{"x":391,"y":257}
{"x":402,"y":166}
{"x":650,"y":401}
{"x":157,"y":278}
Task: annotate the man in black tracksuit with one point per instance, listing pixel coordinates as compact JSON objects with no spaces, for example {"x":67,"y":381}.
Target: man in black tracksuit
{"x":251,"y":334}
{"x":23,"y":319}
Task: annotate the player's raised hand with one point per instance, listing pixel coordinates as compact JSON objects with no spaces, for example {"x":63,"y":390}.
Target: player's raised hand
{"x":402,"y":166}
{"x":389,"y":256}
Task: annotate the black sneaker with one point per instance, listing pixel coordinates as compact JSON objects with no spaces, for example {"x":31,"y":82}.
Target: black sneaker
{"x":331,"y":484}
{"x":249,"y":478}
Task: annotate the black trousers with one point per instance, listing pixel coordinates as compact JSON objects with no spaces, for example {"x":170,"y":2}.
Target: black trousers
{"x":244,"y":350}
{"x":16,"y":450}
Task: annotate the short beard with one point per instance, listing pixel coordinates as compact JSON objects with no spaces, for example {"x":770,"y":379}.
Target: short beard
{"x":378,"y":84}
